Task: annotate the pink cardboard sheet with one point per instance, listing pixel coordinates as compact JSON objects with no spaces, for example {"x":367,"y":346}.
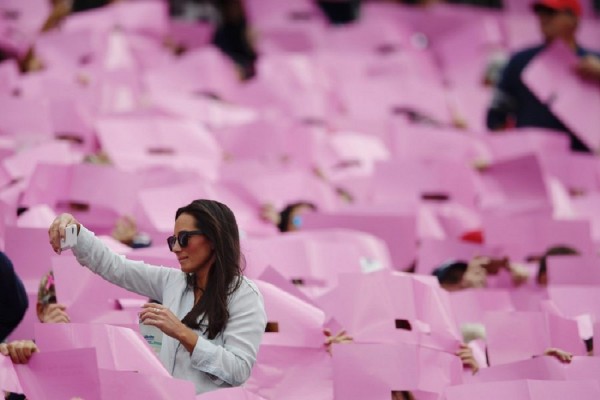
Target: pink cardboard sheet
{"x":86,"y":295}
{"x":9,"y":380}
{"x":64,"y":374}
{"x":292,"y":373}
{"x":375,"y":370}
{"x":574,"y":270}
{"x":236,"y":393}
{"x":525,"y":390}
{"x":551,"y":77}
{"x":296,"y":322}
{"x":118,"y":348}
{"x":522,"y":335}
{"x":134,"y":385}
{"x":397,"y":230}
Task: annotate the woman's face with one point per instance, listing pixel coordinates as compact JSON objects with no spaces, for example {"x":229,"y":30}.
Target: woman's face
{"x":198,"y":251}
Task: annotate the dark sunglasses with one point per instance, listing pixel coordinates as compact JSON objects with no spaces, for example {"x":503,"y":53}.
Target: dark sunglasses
{"x":182,"y":238}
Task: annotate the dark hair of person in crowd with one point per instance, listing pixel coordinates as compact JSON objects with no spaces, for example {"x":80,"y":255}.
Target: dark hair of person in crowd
{"x":289,"y":217}
{"x":561,"y":250}
{"x":218,"y":224}
{"x":450,"y":274}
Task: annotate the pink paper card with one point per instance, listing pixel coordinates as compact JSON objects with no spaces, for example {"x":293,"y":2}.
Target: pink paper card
{"x":532,"y":235}
{"x":9,"y":76}
{"x":40,"y":216}
{"x":291,"y":321}
{"x":517,"y":179}
{"x":551,"y":77}
{"x":203,"y":70}
{"x":386,"y":314}
{"x":536,"y":333}
{"x":9,"y":380}
{"x":434,"y":308}
{"x":62,"y":374}
{"x":118,"y":348}
{"x":149,"y":144}
{"x":237,"y":393}
{"x":577,"y":171}
{"x":29,"y":265}
{"x":283,"y":372}
{"x":17,"y":119}
{"x":24,"y":163}
{"x":75,"y":283}
{"x":514,"y":389}
{"x":542,"y":368}
{"x":425,"y":142}
{"x":573,"y":270}
{"x":515,"y":336}
{"x":525,"y":141}
{"x":429,"y":180}
{"x":134,"y":385}
{"x":573,"y":301}
{"x":373,"y":371}
{"x":397,"y":230}
{"x":470,"y":306}
{"x":580,"y":389}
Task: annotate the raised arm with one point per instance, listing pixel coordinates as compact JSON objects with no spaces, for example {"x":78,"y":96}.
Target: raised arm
{"x":91,"y":252}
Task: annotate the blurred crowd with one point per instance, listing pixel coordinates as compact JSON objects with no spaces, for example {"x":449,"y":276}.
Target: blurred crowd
{"x":416,"y":184}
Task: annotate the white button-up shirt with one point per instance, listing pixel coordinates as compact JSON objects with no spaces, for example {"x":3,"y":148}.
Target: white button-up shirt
{"x":226,"y":360}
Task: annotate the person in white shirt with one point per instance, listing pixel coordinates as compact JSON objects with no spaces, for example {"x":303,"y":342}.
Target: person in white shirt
{"x":212,"y":317}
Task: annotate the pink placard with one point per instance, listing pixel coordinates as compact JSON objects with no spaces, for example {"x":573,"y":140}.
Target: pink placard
{"x":62,"y":374}
{"x":118,"y":348}
{"x":551,"y":77}
{"x":87,"y":296}
{"x":282,"y":372}
{"x":135,"y":385}
{"x":397,"y":230}
{"x":573,"y":270}
{"x":296,"y":322}
{"x":9,"y":380}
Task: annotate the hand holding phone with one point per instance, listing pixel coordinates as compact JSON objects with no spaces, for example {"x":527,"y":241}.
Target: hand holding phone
{"x":70,"y":239}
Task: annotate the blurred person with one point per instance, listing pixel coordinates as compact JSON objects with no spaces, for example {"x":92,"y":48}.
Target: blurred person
{"x":340,"y":12}
{"x":457,"y":275}
{"x":13,"y":298}
{"x":232,"y":34}
{"x":513,"y":104}
{"x":212,"y":317}
{"x":290,"y":218}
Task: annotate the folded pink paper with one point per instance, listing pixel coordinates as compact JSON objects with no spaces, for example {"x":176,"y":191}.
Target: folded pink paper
{"x":135,"y":385}
{"x":551,"y":77}
{"x":285,"y":372}
{"x":292,"y":321}
{"x":64,"y":374}
{"x":118,"y":348}
{"x":573,"y":270}
{"x":86,"y":295}
{"x":9,"y":380}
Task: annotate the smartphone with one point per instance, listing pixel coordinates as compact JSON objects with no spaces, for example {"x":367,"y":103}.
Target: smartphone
{"x":70,"y":239}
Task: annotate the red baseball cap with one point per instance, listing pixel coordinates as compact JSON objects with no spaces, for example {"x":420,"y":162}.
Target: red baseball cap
{"x":572,"y":6}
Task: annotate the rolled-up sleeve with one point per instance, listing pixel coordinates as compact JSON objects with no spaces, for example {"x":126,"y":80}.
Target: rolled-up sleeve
{"x":136,"y":276}
{"x":232,"y":362}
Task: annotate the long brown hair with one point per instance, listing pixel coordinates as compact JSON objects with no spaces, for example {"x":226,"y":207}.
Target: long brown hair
{"x":218,"y":224}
